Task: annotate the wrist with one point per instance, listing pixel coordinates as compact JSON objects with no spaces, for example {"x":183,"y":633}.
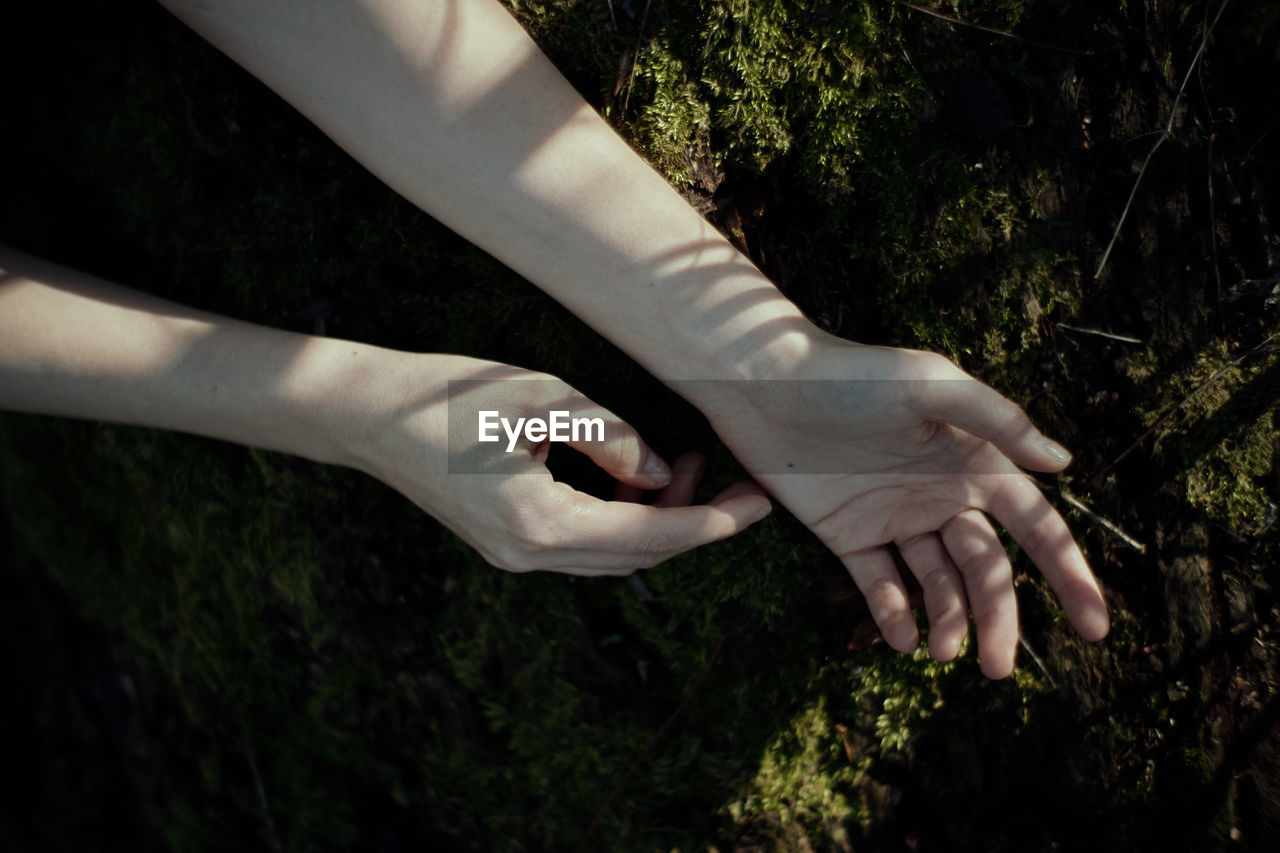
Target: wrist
{"x":781,"y":350}
{"x":332,"y":400}
{"x":359,"y":395}
{"x":390,"y":409}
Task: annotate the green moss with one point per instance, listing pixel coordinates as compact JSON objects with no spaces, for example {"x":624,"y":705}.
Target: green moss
{"x":1224,"y":435}
{"x":773,"y":80}
{"x":805,"y":780}
{"x":373,"y":664}
{"x":673,"y":130}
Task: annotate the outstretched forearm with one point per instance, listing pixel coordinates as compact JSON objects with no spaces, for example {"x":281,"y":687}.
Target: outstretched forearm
{"x":450,"y":103}
{"x":76,"y":346}
{"x":454,"y":106}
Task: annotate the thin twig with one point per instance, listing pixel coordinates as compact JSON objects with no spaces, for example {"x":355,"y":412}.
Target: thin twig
{"x":262,"y":797}
{"x":1208,"y":179}
{"x":1249,"y":153}
{"x":653,"y":741}
{"x":959,"y":22}
{"x":1213,"y":231}
{"x":1035,"y":657}
{"x":1181,"y":405}
{"x":1099,"y":333}
{"x":1251,"y":287}
{"x":635,"y":59}
{"x":1168,"y":128}
{"x":1111,"y":526}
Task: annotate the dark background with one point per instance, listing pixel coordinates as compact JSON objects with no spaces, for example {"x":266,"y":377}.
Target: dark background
{"x":212,"y":648}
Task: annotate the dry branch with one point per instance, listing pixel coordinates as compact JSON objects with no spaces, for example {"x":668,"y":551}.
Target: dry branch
{"x":1168,"y":128}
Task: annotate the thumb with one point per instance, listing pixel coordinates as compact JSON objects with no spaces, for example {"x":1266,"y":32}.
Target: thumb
{"x":617,"y":448}
{"x":981,"y":411}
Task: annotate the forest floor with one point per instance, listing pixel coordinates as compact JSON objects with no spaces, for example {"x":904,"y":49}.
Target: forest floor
{"x":212,"y":648}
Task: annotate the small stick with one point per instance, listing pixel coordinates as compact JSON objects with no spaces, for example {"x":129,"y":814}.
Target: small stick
{"x":1247,"y":286}
{"x":1249,"y":153}
{"x":1098,"y":333}
{"x":1114,"y":528}
{"x":1213,"y":228}
{"x":635,"y":60}
{"x":959,"y":22}
{"x":262,"y":797}
{"x":1168,"y":128}
{"x":1035,"y":657}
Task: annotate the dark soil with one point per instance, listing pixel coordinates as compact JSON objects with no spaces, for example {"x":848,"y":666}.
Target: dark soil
{"x":1167,"y":736}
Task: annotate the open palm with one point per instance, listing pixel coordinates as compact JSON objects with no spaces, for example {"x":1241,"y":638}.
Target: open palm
{"x":874,"y":448}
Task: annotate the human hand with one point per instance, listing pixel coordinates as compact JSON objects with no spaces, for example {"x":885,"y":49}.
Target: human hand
{"x":421,"y":436}
{"x":871,"y":447}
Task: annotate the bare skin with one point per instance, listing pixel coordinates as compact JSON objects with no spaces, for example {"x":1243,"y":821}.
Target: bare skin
{"x":453,"y":105}
{"x":73,"y":345}
{"x":473,"y":124}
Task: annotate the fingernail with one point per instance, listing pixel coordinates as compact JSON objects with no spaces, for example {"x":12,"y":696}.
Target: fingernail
{"x":655,"y":468}
{"x":762,"y":512}
{"x":1057,"y":451}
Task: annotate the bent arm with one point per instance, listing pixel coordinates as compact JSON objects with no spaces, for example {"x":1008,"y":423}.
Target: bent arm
{"x":453,"y":105}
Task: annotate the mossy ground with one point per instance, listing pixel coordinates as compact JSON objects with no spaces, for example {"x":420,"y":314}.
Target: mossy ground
{"x":244,"y":650}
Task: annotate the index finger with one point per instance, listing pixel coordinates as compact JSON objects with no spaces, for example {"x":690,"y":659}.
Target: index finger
{"x":982,"y":411}
{"x":1022,"y":509}
{"x":654,"y":533}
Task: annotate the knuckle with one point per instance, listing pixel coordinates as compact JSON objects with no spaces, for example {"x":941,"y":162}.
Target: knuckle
{"x":508,"y":557}
{"x":936,"y":578}
{"x":533,"y":529}
{"x":656,"y":545}
{"x":935,"y":367}
{"x":944,"y":609}
{"x":984,"y":611}
{"x":882,"y":599}
{"x":624,"y":447}
{"x":916,"y":543}
{"x":938,"y":366}
{"x":539,"y":536}
{"x":974,"y":563}
{"x":1012,"y":422}
{"x":1039,"y":536}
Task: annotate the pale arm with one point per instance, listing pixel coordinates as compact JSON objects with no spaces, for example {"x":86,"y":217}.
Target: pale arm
{"x":76,"y":346}
{"x":451,"y":104}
